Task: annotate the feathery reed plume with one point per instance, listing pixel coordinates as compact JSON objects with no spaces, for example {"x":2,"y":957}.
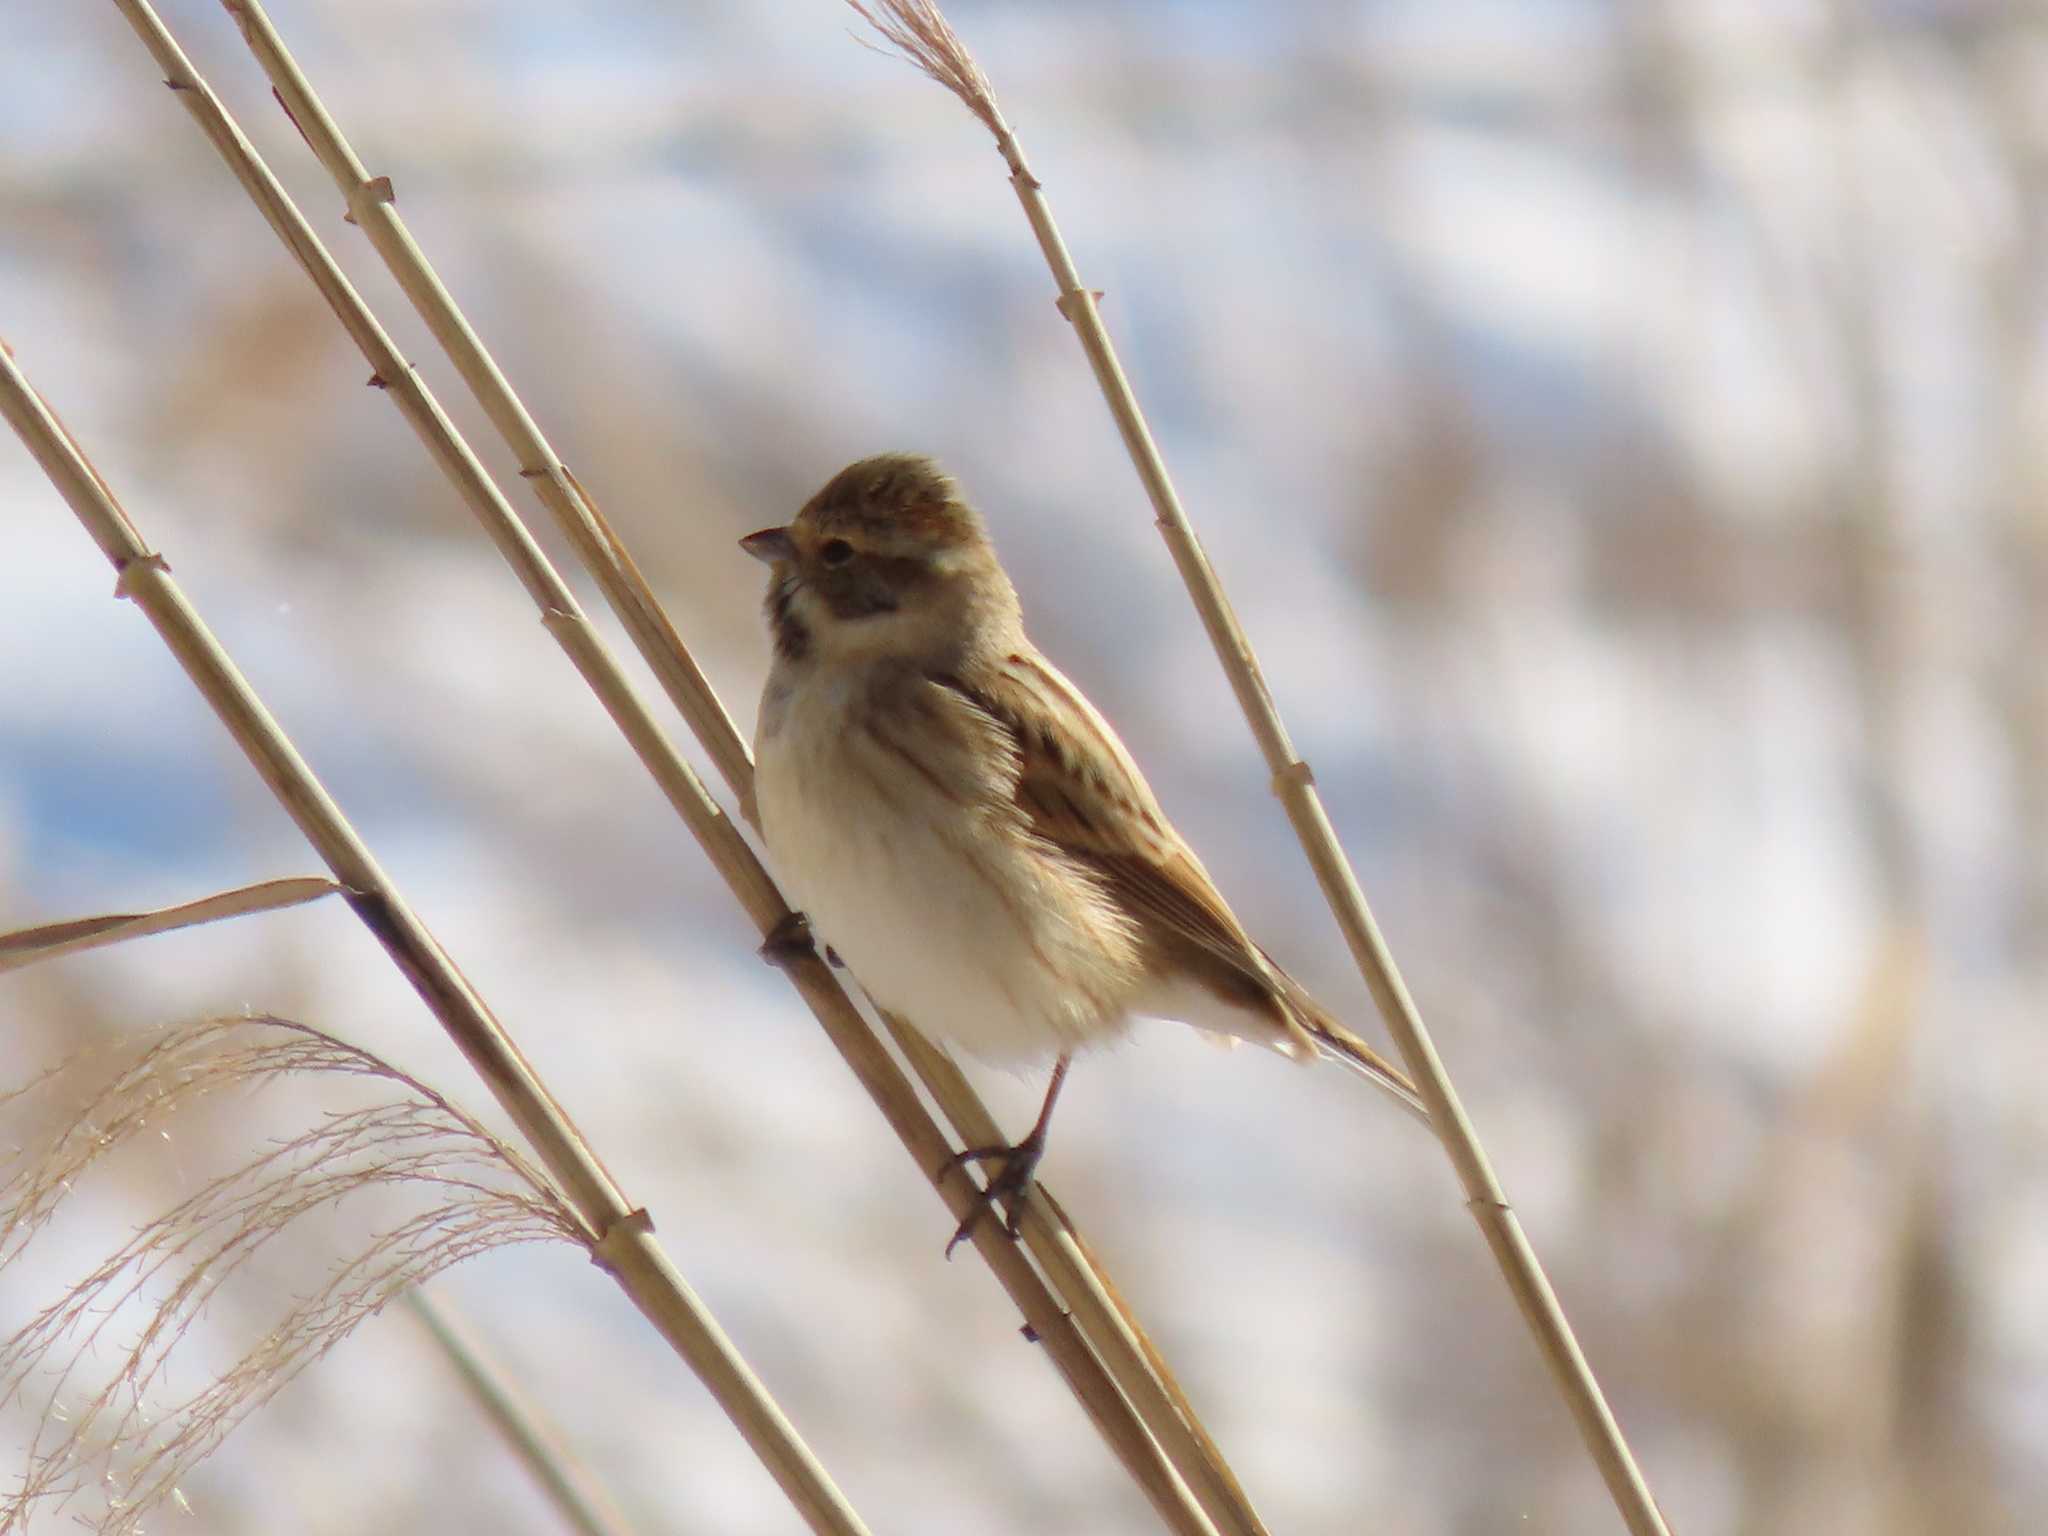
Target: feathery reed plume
{"x":921,"y":33}
{"x":918,"y":29}
{"x":457,"y":1191}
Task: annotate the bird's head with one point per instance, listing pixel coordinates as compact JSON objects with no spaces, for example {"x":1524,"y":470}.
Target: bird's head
{"x":888,"y":561}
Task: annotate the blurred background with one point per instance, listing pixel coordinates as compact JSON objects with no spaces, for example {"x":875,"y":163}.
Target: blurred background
{"x":1620,"y":427}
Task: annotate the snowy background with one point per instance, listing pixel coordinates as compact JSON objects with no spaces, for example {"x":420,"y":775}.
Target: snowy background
{"x":1620,"y":427}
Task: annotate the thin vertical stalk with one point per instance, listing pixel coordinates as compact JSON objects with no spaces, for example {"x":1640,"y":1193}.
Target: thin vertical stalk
{"x":919,"y":29}
{"x":576,"y":1495}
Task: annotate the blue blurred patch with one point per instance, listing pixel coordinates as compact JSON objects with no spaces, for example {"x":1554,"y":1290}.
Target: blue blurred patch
{"x":75,"y":803}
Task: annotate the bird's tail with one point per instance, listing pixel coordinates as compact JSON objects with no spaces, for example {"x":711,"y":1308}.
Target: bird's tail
{"x":1336,"y":1043}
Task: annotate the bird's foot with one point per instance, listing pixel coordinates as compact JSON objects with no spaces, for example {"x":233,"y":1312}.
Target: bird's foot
{"x":1012,"y":1183}
{"x":790,"y":941}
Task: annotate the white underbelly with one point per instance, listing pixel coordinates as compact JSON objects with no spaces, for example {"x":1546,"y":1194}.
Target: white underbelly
{"x":989,"y":950}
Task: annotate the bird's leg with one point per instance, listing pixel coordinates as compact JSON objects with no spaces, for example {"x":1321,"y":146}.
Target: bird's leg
{"x":790,"y":941}
{"x":1020,"y":1162}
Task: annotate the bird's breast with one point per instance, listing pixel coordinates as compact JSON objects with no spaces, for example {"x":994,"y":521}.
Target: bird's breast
{"x":901,"y":841}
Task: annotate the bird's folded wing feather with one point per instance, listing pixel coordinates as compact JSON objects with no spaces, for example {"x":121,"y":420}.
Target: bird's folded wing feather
{"x":1082,"y":793}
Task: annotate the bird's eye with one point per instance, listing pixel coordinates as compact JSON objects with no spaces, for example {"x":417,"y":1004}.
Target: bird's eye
{"x":835,"y":552}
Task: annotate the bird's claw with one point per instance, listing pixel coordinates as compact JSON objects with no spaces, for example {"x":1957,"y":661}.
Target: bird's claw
{"x":1012,"y":1183}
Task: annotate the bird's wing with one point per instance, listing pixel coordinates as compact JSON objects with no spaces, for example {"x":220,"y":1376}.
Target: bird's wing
{"x":1084,"y":795}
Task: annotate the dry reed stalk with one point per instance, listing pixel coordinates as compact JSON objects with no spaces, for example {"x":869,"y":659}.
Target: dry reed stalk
{"x":620,"y":1234}
{"x":1049,"y":1318}
{"x":576,"y":1495}
{"x":1110,"y":1328}
{"x":472,"y":1194}
{"x":919,"y":30}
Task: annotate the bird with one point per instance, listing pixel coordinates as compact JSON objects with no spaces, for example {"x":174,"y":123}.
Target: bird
{"x":966,"y":831}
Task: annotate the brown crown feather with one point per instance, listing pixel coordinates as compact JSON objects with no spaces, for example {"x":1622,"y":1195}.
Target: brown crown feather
{"x":900,"y":494}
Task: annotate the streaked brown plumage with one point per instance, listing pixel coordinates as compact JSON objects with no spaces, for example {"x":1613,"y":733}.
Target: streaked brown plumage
{"x":959,"y":822}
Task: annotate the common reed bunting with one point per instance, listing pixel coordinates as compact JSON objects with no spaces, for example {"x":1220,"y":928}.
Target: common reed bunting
{"x":965,"y":829}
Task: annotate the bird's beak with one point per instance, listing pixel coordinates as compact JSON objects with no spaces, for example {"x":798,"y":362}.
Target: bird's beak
{"x":769,"y":545}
